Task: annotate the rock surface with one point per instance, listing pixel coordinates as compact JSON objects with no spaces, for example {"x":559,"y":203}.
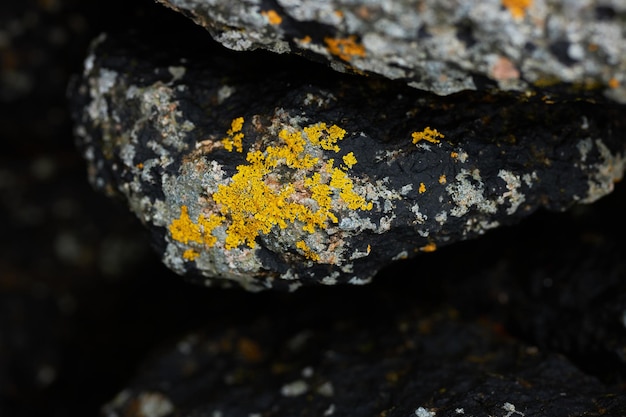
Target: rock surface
{"x":439,"y":46}
{"x":295,"y":175}
{"x":416,"y":365}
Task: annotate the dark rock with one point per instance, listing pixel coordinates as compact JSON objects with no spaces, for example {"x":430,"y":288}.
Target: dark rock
{"x":407,"y":364}
{"x":438,"y":46}
{"x":293,"y":175}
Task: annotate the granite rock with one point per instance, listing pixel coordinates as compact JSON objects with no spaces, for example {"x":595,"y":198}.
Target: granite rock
{"x":292,"y":174}
{"x":438,"y":46}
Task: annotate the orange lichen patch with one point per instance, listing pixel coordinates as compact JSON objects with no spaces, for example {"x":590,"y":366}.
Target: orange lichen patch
{"x":255,"y":200}
{"x":430,"y":247}
{"x":190,"y":254}
{"x":272,"y":17}
{"x":503,"y":69}
{"x":517,"y":7}
{"x":454,"y":155}
{"x":306,"y":39}
{"x":139,"y":165}
{"x":422,"y":188}
{"x":428,"y":134}
{"x":308,"y":253}
{"x":235,"y":137}
{"x":345,"y":48}
{"x":349,"y":160}
{"x":614,"y":83}
{"x":442,"y":179}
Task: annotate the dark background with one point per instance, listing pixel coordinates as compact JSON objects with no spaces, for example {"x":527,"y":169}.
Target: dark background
{"x":83,"y":299}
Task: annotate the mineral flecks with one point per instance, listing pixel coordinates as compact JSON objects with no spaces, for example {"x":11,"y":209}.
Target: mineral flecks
{"x":438,"y":46}
{"x":291,"y":175}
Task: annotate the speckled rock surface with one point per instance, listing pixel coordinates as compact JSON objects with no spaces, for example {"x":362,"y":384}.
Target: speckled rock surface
{"x":281,"y":178}
{"x":439,"y":46}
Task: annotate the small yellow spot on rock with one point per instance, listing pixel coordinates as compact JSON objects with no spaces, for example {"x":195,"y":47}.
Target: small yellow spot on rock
{"x":454,"y":154}
{"x":517,"y":7}
{"x":235,"y":137}
{"x":139,"y":165}
{"x":345,"y":48}
{"x":349,"y":160}
{"x":442,"y":179}
{"x":422,"y":188}
{"x":190,"y":255}
{"x":184,"y":230}
{"x":308,"y":253}
{"x":430,"y":247}
{"x":272,"y":17}
{"x":614,"y":83}
{"x":428,"y":134}
{"x":369,"y":249}
{"x":306,"y":39}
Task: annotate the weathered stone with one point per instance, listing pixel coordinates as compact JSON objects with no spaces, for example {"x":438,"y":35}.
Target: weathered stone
{"x":434,"y":45}
{"x":279,"y":178}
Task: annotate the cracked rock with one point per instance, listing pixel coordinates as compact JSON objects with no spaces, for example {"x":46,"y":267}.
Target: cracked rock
{"x":292,"y":174}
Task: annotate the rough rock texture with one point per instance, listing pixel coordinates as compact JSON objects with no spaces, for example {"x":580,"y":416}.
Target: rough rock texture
{"x":439,"y":46}
{"x":292,"y":175}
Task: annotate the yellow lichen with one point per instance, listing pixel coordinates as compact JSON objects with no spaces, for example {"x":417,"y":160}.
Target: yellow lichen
{"x":345,"y":48}
{"x":254,"y":200}
{"x":187,"y":231}
{"x":349,"y":160}
{"x":235,"y":137}
{"x":614,"y":83}
{"x":308,"y":253}
{"x":184,"y":229}
{"x":428,"y":134}
{"x":272,"y":17}
{"x":325,"y":137}
{"x":517,"y":7}
{"x":422,"y":188}
{"x":190,"y":255}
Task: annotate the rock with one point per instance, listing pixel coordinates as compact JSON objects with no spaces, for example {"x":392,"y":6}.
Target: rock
{"x":415,"y":364}
{"x":292,"y":174}
{"x":438,"y":46}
